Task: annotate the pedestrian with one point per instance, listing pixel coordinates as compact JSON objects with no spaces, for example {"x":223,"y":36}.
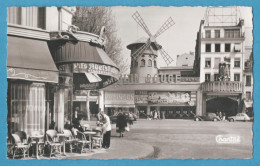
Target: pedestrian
{"x":224,"y":116}
{"x":77,"y":125}
{"x":121,"y":124}
{"x":220,"y":115}
{"x":155,"y":114}
{"x":99,"y":116}
{"x":106,"y":130}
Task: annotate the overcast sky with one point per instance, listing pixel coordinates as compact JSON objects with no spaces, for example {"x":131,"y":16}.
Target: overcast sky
{"x":179,"y":39}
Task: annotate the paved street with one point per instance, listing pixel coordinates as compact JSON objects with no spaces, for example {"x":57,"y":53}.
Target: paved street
{"x":183,"y":139}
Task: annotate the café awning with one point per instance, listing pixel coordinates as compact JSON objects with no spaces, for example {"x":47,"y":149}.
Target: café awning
{"x":30,"y":59}
{"x":86,"y":58}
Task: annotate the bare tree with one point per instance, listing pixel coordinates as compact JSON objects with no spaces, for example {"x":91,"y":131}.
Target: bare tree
{"x":91,"y":19}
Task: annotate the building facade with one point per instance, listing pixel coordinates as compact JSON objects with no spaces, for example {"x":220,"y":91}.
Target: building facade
{"x":52,"y":68}
{"x":220,"y":59}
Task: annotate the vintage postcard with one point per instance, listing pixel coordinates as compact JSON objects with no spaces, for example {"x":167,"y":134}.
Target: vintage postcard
{"x":129,"y":82}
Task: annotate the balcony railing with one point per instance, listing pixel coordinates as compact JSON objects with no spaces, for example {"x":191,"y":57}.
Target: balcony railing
{"x":222,"y":35}
{"x":222,"y":86}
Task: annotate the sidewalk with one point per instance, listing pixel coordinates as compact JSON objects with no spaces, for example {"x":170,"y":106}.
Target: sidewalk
{"x":120,"y":149}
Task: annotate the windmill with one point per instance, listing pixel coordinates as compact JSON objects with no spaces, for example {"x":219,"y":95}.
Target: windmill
{"x":151,"y":41}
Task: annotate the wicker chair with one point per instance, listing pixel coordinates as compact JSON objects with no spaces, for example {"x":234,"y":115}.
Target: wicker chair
{"x":40,"y":143}
{"x":70,"y":139}
{"x":53,"y":142}
{"x":82,"y":142}
{"x":19,"y":145}
{"x":98,"y":138}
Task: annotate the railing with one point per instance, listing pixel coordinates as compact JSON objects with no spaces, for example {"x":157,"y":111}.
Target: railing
{"x":222,"y":35}
{"x":222,"y":86}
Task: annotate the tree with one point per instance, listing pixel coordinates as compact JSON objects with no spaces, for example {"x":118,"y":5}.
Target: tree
{"x":91,"y":19}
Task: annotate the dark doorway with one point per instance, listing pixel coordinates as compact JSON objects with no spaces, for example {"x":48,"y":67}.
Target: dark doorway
{"x":222,"y":104}
{"x":93,"y":107}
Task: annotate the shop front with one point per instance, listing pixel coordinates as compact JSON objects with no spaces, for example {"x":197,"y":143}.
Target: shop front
{"x":119,"y":101}
{"x":169,"y":104}
{"x":83,"y":67}
{"x":32,"y":78}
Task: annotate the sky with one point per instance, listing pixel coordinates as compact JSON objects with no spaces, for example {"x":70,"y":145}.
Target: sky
{"x":178,"y":39}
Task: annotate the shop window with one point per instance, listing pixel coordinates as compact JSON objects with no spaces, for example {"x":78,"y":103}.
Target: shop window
{"x":236,"y":77}
{"x":248,"y":80}
{"x":155,"y":64}
{"x":216,"y":63}
{"x":237,"y":62}
{"x":208,"y":34}
{"x":237,"y":47}
{"x":207,"y":63}
{"x":26,"y":109}
{"x":149,"y":63}
{"x":217,"y":33}
{"x":216,"y":77}
{"x":248,"y":95}
{"x":208,"y":47}
{"x":217,"y":47}
{"x":142,"y":63}
{"x":227,"y":47}
{"x":207,"y":77}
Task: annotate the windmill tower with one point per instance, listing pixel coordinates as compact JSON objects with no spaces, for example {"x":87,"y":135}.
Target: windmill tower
{"x":144,"y":52}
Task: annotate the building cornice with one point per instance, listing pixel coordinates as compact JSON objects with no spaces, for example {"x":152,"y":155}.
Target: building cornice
{"x":27,"y":32}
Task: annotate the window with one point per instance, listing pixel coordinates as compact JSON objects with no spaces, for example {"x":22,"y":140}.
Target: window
{"x":248,"y":80}
{"x":216,"y":77}
{"x":14,"y":15}
{"x":207,"y":63}
{"x":207,"y":77}
{"x":217,"y":33}
{"x":217,"y":47}
{"x":216,"y":63}
{"x":246,"y":65}
{"x":227,"y":47}
{"x":237,"y":62}
{"x":149,"y":63}
{"x":155,"y":64}
{"x":27,"y":16}
{"x":236,"y":77}
{"x":208,"y":47}
{"x":142,"y":63}
{"x":208,"y":34}
{"x":237,"y":47}
{"x":232,"y":33}
{"x":248,"y":95}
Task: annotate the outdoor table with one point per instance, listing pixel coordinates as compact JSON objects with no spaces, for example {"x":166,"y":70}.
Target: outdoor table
{"x":37,"y":138}
{"x":62,"y":135}
{"x":90,"y":134}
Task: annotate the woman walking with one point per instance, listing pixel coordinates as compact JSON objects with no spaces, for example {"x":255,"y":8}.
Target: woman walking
{"x":121,"y":124}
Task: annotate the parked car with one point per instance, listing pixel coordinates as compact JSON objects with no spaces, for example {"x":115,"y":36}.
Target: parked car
{"x":207,"y":117}
{"x":239,"y":117}
{"x":129,"y":116}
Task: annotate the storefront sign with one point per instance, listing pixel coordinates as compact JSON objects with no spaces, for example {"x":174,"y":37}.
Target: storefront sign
{"x":81,"y":98}
{"x":168,"y":97}
{"x":141,"y":97}
{"x":94,"y":93}
{"x":119,"y":98}
{"x":95,"y":68}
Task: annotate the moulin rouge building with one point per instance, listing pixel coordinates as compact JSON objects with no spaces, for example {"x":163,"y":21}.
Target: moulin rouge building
{"x":218,"y":78}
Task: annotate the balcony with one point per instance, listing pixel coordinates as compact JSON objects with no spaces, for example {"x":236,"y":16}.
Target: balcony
{"x":222,"y":87}
{"x":222,"y":36}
